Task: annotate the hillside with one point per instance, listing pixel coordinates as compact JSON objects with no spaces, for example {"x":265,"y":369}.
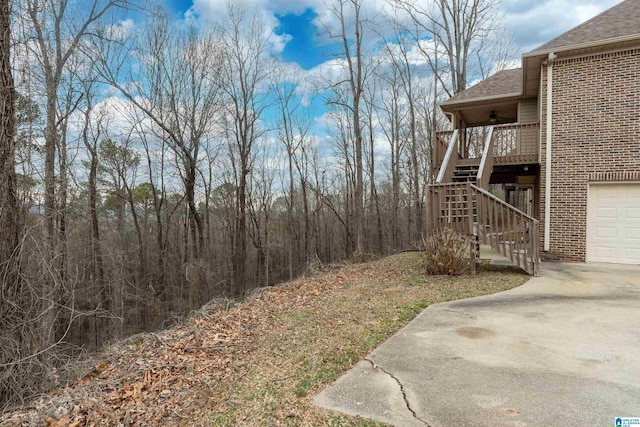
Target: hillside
{"x":259,"y":362}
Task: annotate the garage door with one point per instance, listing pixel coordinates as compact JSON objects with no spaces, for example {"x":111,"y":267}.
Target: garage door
{"x":613,"y":223}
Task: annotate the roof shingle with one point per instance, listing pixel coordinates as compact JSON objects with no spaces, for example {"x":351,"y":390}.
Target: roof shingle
{"x":506,"y":82}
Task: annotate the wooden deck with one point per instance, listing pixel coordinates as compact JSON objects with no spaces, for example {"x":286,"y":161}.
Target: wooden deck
{"x":513,"y":144}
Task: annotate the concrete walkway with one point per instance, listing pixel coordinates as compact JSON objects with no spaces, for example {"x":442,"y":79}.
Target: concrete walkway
{"x":563,"y":349}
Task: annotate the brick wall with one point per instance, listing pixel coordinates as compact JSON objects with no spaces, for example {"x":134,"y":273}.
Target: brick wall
{"x":595,"y":132}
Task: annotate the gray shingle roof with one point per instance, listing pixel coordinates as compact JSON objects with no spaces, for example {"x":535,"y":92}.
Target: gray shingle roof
{"x":621,"y":20}
{"x":506,"y":82}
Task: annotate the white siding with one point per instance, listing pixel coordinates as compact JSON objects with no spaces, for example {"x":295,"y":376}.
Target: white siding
{"x":528,"y":111}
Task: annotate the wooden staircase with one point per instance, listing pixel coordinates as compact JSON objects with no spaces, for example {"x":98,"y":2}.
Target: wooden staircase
{"x":459,"y":201}
{"x":466,"y":171}
{"x":475,"y":212}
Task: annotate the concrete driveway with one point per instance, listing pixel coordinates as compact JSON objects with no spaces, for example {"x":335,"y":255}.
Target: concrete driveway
{"x":563,"y":349}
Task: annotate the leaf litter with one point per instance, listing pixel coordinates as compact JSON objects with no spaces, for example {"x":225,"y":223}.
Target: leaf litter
{"x":259,"y":362}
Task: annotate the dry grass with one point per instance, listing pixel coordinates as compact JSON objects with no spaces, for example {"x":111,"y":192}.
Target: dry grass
{"x":260,"y":363}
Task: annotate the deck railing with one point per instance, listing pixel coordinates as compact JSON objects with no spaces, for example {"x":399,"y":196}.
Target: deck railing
{"x":473,"y":211}
{"x":513,"y":143}
{"x":517,"y":143}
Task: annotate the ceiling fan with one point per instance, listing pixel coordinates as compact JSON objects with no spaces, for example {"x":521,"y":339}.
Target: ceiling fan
{"x":494,"y":118}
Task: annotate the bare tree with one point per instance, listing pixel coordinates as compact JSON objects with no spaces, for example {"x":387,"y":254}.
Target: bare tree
{"x":155,"y":152}
{"x":260,"y":198}
{"x":245,"y":73}
{"x":90,"y":135}
{"x":58,"y":30}
{"x":399,"y":54}
{"x":9,"y":219}
{"x":460,"y":27}
{"x":370,"y":101}
{"x":352,"y":45}
{"x":344,"y":172}
{"x":178,"y":90}
{"x":11,"y":315}
{"x":393,"y":116}
{"x":292,"y":128}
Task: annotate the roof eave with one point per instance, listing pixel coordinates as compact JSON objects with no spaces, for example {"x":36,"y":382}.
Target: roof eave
{"x":450,"y":106}
{"x":580,"y":46}
{"x":532,"y":60}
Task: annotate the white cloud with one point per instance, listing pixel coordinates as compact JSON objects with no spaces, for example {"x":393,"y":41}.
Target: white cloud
{"x":536,"y":22}
{"x":533,"y":22}
{"x":217,"y":12}
{"x":122,"y":30}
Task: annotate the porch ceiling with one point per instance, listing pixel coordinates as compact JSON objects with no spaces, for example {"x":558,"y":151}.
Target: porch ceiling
{"x":479,"y":113}
{"x":499,"y":93}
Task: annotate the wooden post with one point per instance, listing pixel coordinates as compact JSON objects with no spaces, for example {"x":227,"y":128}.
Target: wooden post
{"x":470,"y":226}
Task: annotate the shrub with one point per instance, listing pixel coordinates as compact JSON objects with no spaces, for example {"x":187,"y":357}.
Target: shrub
{"x":446,"y":252}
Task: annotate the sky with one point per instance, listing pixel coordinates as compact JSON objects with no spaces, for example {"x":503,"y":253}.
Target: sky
{"x":301,"y":24}
{"x":299,"y":33}
{"x":300,"y":30}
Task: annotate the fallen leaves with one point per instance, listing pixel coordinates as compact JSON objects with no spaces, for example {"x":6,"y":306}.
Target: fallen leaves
{"x":256,"y":363}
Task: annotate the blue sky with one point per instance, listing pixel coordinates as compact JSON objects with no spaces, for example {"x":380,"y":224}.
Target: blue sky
{"x":303,"y":36}
{"x":532,"y":22}
{"x":303,"y":47}
{"x":300,"y":28}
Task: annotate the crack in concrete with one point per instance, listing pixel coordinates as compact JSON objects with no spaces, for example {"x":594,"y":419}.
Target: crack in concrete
{"x":404,"y":394}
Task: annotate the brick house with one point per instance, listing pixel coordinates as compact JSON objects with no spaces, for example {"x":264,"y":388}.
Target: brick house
{"x":561,"y":135}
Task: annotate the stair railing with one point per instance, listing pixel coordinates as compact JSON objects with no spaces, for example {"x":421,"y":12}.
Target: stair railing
{"x":473,"y":211}
{"x":508,"y":230}
{"x":450,"y":160}
{"x":450,"y":205}
{"x":440,"y":147}
{"x":486,"y":164}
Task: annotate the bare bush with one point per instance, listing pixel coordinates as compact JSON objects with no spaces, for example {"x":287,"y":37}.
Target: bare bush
{"x":446,"y":252}
{"x":35,"y":356}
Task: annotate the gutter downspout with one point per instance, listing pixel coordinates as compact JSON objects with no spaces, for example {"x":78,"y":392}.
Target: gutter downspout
{"x":547,"y":192}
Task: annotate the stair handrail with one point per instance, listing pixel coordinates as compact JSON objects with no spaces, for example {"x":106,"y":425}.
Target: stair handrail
{"x":471,"y":210}
{"x":486,"y":164}
{"x":499,"y":200}
{"x":525,"y":254}
{"x":440,"y":147}
{"x":449,"y":162}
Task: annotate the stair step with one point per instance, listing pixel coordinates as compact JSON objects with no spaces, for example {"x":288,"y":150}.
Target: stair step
{"x":469,"y":162}
{"x":465,"y":172}
{"x":463,"y":175}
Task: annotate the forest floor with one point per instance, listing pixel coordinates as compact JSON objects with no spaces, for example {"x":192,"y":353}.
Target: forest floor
{"x":259,"y":362}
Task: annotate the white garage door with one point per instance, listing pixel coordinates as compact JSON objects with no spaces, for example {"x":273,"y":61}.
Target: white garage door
{"x":613,"y":223}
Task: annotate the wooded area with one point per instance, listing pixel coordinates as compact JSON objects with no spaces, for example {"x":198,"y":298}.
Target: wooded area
{"x":150,"y":167}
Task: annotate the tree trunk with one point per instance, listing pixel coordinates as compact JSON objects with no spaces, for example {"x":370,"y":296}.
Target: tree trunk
{"x":9,"y":213}
{"x":195,"y":222}
{"x":240,"y":238}
{"x":290,"y":205}
{"x":307,"y":223}
{"x":63,"y":315}
{"x":96,"y":250}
